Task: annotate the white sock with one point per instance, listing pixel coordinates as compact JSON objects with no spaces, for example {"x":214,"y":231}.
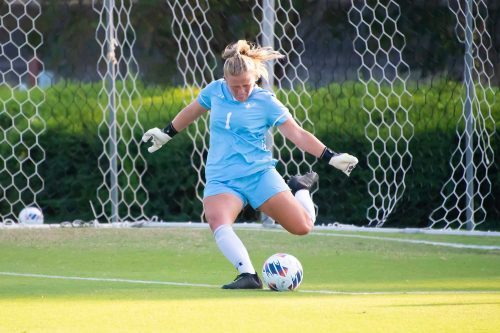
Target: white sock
{"x":233,"y":249}
{"x":304,"y":198}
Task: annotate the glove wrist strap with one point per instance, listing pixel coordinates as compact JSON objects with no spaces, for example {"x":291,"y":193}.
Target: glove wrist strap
{"x":170,"y":130}
{"x":327,"y":154}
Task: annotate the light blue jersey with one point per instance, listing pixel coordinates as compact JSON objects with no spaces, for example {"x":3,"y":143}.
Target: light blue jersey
{"x":238,"y":131}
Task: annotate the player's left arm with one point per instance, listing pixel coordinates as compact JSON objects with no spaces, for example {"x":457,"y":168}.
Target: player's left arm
{"x":307,"y":142}
{"x":303,"y":139}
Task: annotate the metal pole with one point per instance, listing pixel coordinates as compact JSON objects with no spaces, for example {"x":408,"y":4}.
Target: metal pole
{"x":268,"y":21}
{"x":268,"y":41}
{"x":267,"y":26}
{"x":469,"y":117}
{"x":111,"y":89}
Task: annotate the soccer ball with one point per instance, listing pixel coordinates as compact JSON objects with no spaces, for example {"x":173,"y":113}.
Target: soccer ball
{"x":282,"y":272}
{"x":31,"y":215}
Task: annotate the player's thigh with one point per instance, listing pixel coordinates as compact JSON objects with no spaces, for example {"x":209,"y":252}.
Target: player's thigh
{"x":221,"y":209}
{"x":287,"y":211}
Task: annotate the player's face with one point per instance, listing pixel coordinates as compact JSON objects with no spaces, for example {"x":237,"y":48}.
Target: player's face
{"x":241,"y":86}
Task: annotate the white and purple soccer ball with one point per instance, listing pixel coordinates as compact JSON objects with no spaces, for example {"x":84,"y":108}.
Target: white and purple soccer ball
{"x":31,"y":215}
{"x":282,"y":272}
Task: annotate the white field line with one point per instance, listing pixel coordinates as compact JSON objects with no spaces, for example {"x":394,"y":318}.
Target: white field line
{"x":277,"y":228}
{"x":401,"y":240}
{"x":202,"y":285}
{"x":416,"y":241}
{"x":60,"y":277}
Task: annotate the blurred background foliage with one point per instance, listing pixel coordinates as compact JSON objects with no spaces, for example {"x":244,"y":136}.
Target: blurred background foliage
{"x":69,"y":54}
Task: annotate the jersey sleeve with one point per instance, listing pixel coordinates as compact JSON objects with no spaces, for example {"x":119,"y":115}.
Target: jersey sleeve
{"x":206,"y":94}
{"x":278,"y":112}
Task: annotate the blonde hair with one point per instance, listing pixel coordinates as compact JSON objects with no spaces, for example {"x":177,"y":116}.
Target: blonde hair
{"x":244,"y":56}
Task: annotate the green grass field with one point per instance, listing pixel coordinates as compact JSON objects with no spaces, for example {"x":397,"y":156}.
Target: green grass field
{"x":168,"y":280}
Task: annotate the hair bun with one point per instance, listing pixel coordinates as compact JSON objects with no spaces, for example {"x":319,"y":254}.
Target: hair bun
{"x":240,"y":47}
{"x":243,"y":55}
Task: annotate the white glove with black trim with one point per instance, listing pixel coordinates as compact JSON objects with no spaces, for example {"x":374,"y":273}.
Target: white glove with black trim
{"x":157,"y":137}
{"x":344,"y":162}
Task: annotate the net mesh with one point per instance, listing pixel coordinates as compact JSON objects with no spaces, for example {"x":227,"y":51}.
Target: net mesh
{"x":196,"y":63}
{"x":469,"y":184}
{"x":390,"y":81}
{"x":380,"y":44}
{"x":290,"y":78}
{"x":121,"y":196}
{"x":22,"y":124}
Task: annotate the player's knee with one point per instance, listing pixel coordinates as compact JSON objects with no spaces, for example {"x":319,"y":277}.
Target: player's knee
{"x":303,"y":227}
{"x":215,"y":221}
{"x":214,"y":224}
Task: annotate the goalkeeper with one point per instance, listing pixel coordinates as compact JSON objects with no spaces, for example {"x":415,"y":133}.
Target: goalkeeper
{"x":240,"y":169}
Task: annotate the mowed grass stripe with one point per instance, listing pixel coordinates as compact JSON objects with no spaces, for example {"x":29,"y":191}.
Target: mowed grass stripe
{"x":368,"y":313}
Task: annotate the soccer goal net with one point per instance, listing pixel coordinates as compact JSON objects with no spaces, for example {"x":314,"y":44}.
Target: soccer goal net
{"x":409,"y":87}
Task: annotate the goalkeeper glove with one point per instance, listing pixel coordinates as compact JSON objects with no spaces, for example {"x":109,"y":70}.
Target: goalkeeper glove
{"x":159,"y":137}
{"x":344,"y":162}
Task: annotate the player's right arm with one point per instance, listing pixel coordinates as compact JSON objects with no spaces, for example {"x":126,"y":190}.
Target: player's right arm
{"x":183,"y":119}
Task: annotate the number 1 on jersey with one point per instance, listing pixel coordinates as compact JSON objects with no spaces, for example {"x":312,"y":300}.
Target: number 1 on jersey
{"x":228,"y":117}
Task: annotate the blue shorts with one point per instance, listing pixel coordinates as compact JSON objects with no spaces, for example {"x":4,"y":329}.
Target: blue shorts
{"x":254,"y":189}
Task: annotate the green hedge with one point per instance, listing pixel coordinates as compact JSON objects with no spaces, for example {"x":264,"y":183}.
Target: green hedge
{"x":71,"y":117}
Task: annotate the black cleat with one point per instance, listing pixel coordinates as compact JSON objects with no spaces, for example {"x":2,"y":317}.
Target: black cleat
{"x":245,"y":281}
{"x":305,"y":182}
